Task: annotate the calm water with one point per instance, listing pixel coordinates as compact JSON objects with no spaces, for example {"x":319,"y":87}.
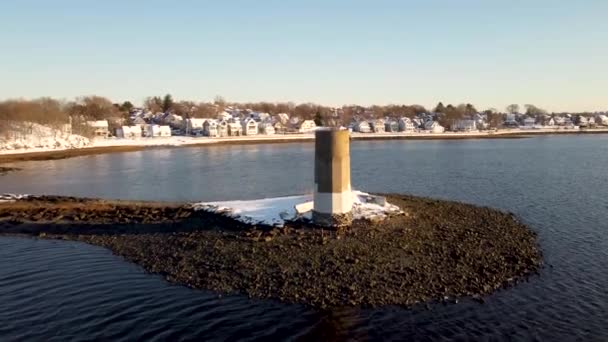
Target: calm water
{"x":52,"y":290}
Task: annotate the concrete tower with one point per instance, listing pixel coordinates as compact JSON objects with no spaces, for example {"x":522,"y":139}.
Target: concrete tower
{"x":333,"y":200}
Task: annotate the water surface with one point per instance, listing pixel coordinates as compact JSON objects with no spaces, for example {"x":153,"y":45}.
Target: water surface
{"x":556,"y":184}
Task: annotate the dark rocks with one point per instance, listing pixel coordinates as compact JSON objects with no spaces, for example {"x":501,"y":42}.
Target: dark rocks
{"x":440,"y":251}
{"x":4,"y":170}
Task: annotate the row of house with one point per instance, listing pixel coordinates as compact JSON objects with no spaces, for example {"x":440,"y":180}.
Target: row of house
{"x":248,"y":126}
{"x":401,"y":125}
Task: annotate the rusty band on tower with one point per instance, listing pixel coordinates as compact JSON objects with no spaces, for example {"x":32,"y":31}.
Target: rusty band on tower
{"x":333,"y":196}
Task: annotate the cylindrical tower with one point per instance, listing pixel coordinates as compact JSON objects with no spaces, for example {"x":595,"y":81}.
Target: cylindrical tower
{"x":333,"y":200}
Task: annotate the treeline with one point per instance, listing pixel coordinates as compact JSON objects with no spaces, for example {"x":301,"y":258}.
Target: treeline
{"x":50,"y":112}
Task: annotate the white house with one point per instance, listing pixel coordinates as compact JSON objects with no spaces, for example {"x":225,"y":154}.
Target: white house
{"x":511,"y":119}
{"x":210,"y":128}
{"x":222,"y":128}
{"x":601,"y":120}
{"x":279,"y":127}
{"x":193,"y":124}
{"x":100,"y":128}
{"x":283,"y":118}
{"x":164,"y":131}
{"x":362,"y":127}
{"x":307,"y":126}
{"x":128,"y":132}
{"x":406,"y":125}
{"x":464,"y":125}
{"x":433,"y":127}
{"x":583,"y":121}
{"x":174,"y":120}
{"x":250,"y":126}
{"x":529,"y":121}
{"x":377,"y":126}
{"x":550,"y":122}
{"x":224,"y":116}
{"x":559,"y":120}
{"x":235,"y":129}
{"x":266,"y":128}
{"x":154,"y":131}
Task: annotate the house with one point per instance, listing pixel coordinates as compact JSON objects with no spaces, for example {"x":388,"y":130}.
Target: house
{"x":362,"y":127}
{"x":164,"y":131}
{"x":391,"y":126}
{"x":250,"y":126}
{"x":263,"y":117}
{"x":591,"y":121}
{"x":193,"y":124}
{"x":210,"y":128}
{"x":154,"y":131}
{"x":550,"y":122}
{"x":235,"y":129}
{"x":464,"y":125}
{"x":174,"y":120}
{"x":601,"y":120}
{"x":529,"y":121}
{"x":224,"y":116}
{"x":582,"y":121}
{"x":559,"y":120}
{"x":481,"y":121}
{"x":433,"y":127}
{"x":280,"y":128}
{"x":511,"y":119}
{"x":307,"y":126}
{"x":283,"y":118}
{"x":266,"y":128}
{"x":222,"y":128}
{"x":128,"y":132}
{"x":406,"y":125}
{"x":377,"y":126}
{"x":100,"y":128}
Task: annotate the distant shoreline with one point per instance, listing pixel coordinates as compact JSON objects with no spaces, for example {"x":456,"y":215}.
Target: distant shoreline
{"x":126,"y":145}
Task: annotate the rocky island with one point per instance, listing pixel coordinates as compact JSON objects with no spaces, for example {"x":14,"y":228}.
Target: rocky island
{"x":436,"y":251}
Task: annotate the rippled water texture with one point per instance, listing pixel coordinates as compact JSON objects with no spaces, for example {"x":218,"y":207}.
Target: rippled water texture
{"x":558,"y":185}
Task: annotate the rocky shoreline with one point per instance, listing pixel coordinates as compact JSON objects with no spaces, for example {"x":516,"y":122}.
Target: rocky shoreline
{"x":5,"y":170}
{"x":438,"y":251}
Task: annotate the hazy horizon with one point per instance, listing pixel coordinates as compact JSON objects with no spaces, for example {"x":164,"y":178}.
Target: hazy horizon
{"x":488,"y":53}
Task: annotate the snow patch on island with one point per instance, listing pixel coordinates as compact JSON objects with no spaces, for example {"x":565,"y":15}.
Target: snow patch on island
{"x":12,"y":197}
{"x":279,"y":210}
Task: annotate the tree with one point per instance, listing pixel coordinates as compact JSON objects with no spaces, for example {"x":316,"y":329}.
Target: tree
{"x":532,"y":110}
{"x":513,"y":108}
{"x":153,"y":104}
{"x":126,"y":106}
{"x":318,"y":119}
{"x":440,"y":108}
{"x":167,"y":103}
{"x":93,"y":108}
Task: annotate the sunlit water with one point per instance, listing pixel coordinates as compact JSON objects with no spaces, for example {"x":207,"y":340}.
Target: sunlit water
{"x":54,"y":290}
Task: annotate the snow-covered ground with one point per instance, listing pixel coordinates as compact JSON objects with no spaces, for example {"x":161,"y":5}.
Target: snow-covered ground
{"x":24,"y":137}
{"x":11,"y":197}
{"x":276,"y":211}
{"x":44,"y":139}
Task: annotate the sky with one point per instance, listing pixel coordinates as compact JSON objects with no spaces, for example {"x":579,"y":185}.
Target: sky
{"x":491,"y":53}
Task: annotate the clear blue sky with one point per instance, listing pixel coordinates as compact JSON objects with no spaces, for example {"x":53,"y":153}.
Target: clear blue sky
{"x":550,"y":53}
